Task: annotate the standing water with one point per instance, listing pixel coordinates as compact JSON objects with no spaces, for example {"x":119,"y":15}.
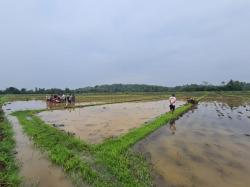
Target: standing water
{"x":209,"y":146}
{"x":94,"y":124}
{"x":35,"y":168}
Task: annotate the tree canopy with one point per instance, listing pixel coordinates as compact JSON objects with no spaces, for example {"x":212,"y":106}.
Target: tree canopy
{"x":114,"y":88}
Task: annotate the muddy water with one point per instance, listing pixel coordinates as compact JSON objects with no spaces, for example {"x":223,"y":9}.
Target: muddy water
{"x":24,"y":105}
{"x":35,"y":168}
{"x":88,"y":103}
{"x":209,"y":146}
{"x":96,"y":123}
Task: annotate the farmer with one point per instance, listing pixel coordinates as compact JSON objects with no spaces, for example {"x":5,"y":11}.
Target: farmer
{"x":172,"y":101}
{"x":70,"y":99}
{"x":63,"y":98}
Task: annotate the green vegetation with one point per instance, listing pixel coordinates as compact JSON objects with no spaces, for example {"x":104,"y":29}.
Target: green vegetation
{"x":8,"y":169}
{"x":119,"y":97}
{"x":105,"y":97}
{"x":230,"y":86}
{"x":122,"y":88}
{"x":114,"y":88}
{"x":115,"y":152}
{"x":21,"y":97}
{"x":63,"y":149}
{"x":135,"y":88}
{"x":111,"y":163}
{"x":128,"y":97}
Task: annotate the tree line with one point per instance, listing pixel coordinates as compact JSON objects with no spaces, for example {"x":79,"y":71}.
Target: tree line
{"x":114,"y":88}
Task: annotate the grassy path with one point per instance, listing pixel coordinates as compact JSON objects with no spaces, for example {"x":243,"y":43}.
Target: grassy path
{"x":113,"y":153}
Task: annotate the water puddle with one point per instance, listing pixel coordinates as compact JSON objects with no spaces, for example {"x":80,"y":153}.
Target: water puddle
{"x":96,"y":123}
{"x":34,"y":166}
{"x":208,"y":146}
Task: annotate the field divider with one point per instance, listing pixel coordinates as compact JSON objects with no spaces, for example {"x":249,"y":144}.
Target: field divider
{"x":115,"y":152}
{"x":111,"y":163}
{"x":64,"y":150}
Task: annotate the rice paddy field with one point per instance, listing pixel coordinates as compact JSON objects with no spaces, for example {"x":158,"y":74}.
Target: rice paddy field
{"x":126,"y":140}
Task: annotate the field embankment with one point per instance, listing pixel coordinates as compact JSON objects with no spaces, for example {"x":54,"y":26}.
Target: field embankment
{"x":106,"y":97}
{"x":111,"y":163}
{"x":8,"y":168}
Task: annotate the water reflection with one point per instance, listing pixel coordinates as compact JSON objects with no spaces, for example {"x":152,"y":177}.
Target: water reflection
{"x":53,"y":105}
{"x":172,"y":126}
{"x":232,"y":102}
{"x":35,"y":169}
{"x":210,"y":148}
{"x":24,"y":105}
{"x":95,"y":124}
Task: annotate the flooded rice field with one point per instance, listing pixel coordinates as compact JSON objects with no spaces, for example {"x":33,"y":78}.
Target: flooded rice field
{"x":35,"y":168}
{"x":209,"y":146}
{"x":96,"y":123}
{"x":89,"y":103}
{"x":24,"y":105}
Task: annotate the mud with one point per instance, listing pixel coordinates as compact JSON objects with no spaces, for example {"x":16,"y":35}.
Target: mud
{"x":96,"y":123}
{"x":203,"y":148}
{"x":35,"y":168}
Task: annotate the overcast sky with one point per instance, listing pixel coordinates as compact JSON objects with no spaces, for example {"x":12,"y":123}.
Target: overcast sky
{"x":77,"y":43}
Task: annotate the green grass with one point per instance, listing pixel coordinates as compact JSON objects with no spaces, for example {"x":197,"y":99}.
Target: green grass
{"x":8,"y":168}
{"x":100,"y":97}
{"x":81,"y":161}
{"x":122,"y":97}
{"x":63,"y":149}
{"x":113,"y":153}
{"x":126,"y":141}
{"x":105,"y":97}
{"x":111,"y":163}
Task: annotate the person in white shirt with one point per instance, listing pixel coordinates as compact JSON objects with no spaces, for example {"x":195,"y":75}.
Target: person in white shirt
{"x":172,"y":102}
